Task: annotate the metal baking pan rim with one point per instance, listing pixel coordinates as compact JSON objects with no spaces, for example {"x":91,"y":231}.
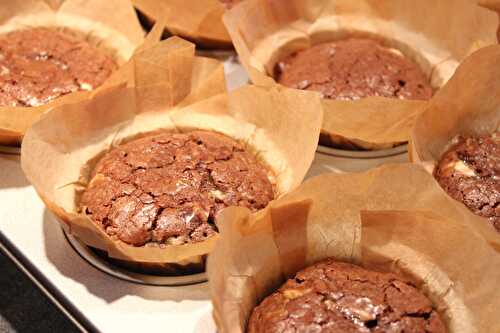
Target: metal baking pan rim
{"x":10,"y":150}
{"x":151,"y":280}
{"x":368,"y":154}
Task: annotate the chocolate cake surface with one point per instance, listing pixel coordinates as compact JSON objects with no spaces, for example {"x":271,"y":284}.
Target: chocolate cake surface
{"x":168,"y":188}
{"x":353,"y":68}
{"x":340,"y":297}
{"x":40,"y":64}
{"x":470,"y":172}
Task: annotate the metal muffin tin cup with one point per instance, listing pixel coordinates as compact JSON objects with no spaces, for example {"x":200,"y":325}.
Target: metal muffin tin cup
{"x":152,"y":280}
{"x":329,"y":160}
{"x":398,"y":150}
{"x":10,"y":150}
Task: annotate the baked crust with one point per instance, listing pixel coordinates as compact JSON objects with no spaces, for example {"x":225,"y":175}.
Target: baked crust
{"x":40,"y":64}
{"x":167,"y":189}
{"x":469,"y":171}
{"x":354,"y":68}
{"x":339,"y":297}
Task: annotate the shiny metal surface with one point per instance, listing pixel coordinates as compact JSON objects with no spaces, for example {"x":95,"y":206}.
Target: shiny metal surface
{"x":362,"y":153}
{"x":10,"y":150}
{"x":326,"y":161}
{"x":120,"y":273}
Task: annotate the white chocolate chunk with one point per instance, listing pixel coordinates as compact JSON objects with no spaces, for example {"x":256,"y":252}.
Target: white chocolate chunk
{"x":464,"y":169}
{"x":294,"y":293}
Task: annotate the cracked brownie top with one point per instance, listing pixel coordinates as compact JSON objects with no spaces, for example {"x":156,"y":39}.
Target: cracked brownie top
{"x":353,"y":68}
{"x":340,"y":297}
{"x":40,"y":64}
{"x":470,"y":172}
{"x":168,"y":188}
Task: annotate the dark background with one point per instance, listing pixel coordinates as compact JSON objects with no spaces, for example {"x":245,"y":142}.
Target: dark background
{"x":23,"y":307}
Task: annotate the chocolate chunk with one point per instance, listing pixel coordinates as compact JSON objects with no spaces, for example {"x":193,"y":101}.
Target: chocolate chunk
{"x":168,"y":188}
{"x":339,"y":297}
{"x":470,"y":172}
{"x":40,"y":64}
{"x":353,"y":68}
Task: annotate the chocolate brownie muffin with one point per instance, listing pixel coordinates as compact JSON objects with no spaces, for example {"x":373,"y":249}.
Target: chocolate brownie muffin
{"x":354,"y":68}
{"x":470,"y":172}
{"x":339,"y":297}
{"x":38,"y":65}
{"x":168,"y":188}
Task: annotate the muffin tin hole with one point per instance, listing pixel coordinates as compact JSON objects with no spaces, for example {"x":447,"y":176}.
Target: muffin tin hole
{"x":10,"y":150}
{"x":363,"y":154}
{"x":95,"y":260}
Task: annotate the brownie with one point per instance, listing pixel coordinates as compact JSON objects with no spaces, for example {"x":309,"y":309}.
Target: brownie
{"x":353,"y":68}
{"x":470,"y":172}
{"x":40,"y":64}
{"x":168,"y":188}
{"x":340,"y":297}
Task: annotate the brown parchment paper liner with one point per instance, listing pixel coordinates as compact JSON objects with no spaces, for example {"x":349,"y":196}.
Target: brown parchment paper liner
{"x":437,"y":35}
{"x":198,"y":21}
{"x":492,"y":5}
{"x":172,"y":90}
{"x":468,"y":104}
{"x":112,"y":25}
{"x":394,"y":218}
